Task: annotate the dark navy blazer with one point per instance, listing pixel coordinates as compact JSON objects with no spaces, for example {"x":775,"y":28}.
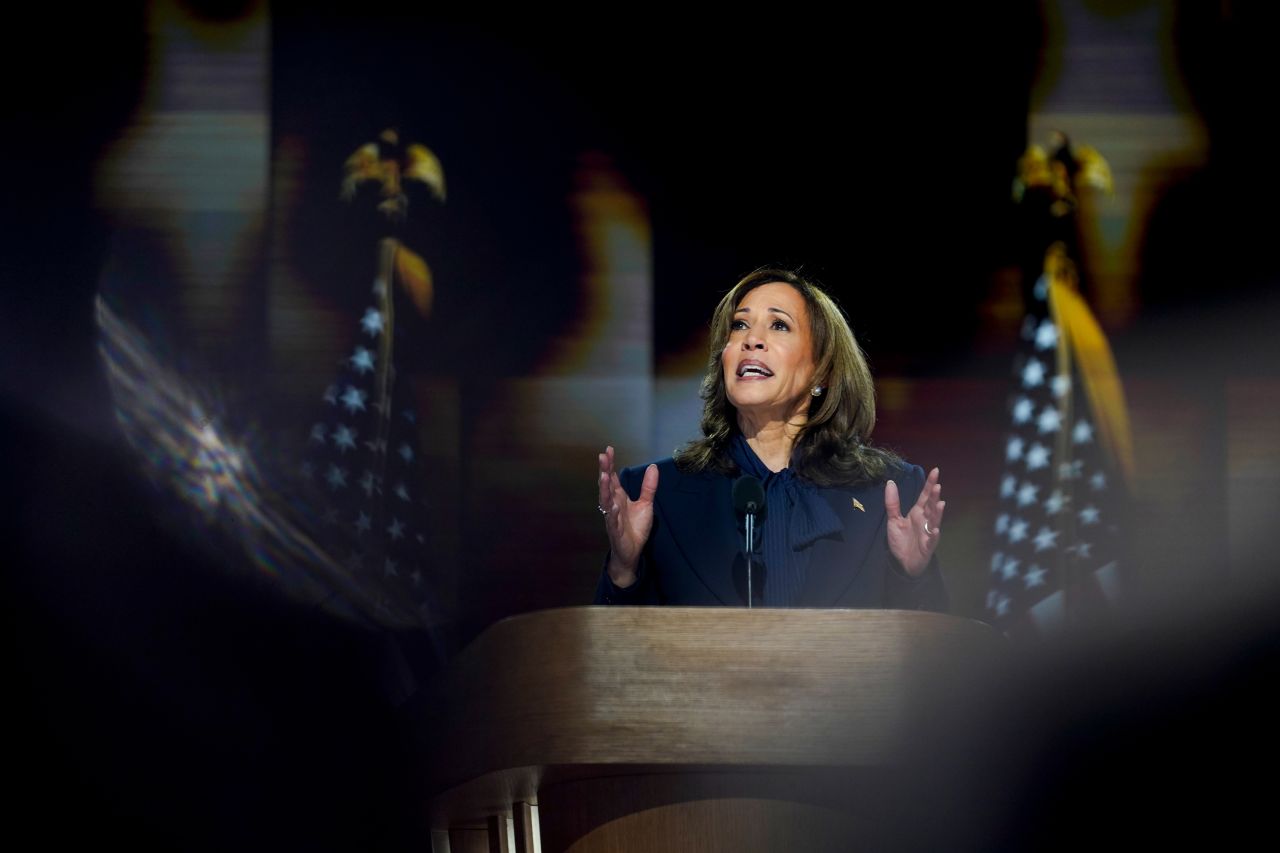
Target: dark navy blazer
{"x":694,"y":554}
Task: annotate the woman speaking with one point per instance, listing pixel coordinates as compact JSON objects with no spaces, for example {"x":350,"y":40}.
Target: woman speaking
{"x":788,"y":400}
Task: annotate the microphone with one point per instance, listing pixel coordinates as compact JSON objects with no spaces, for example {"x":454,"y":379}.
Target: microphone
{"x":748,"y":495}
{"x":748,"y":501}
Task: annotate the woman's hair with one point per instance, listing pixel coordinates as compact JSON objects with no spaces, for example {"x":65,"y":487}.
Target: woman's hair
{"x":831,"y":447}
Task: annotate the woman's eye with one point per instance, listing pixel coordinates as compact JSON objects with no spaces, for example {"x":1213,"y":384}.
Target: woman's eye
{"x":737,"y":325}
{"x":779,"y":324}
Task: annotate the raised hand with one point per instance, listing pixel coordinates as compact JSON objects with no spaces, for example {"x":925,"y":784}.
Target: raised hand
{"x":914,"y":537}
{"x":627,"y":522}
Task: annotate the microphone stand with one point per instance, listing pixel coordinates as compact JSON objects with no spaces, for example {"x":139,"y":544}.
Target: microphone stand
{"x":748,"y":499}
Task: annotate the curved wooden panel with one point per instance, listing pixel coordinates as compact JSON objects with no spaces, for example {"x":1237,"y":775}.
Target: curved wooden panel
{"x":611,"y":686}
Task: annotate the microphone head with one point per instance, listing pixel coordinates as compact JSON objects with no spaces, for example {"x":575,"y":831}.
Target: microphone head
{"x":748,"y":495}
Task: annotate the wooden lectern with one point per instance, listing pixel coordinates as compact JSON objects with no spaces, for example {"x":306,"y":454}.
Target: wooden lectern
{"x":666,"y":729}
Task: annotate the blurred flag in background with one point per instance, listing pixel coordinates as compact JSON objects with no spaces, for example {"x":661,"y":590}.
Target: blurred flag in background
{"x":1068,"y":455}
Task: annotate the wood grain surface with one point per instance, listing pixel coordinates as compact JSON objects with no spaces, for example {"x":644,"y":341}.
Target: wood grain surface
{"x":576,"y":696}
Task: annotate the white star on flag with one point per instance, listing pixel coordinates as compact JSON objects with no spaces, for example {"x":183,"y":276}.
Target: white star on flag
{"x":1034,"y":576}
{"x":1089,"y":515}
{"x":353,"y":399}
{"x":1027,"y":494}
{"x":401,"y":492}
{"x":407,"y":452}
{"x":389,"y":568}
{"x":1002,"y":523}
{"x":318,"y":433}
{"x":1046,"y":335}
{"x":1041,"y":289}
{"x":1054,"y":503}
{"x":331,"y":395}
{"x":337,"y":477}
{"x":1022,"y":410}
{"x":1010,"y":569}
{"x":1098,"y":481}
{"x":1017,"y":531}
{"x":363,"y":523}
{"x":1083,"y":432}
{"x":1008,"y":486}
{"x":371,"y":322}
{"x":1013,"y":450}
{"x":1037,"y":457}
{"x":1049,"y":420}
{"x":1046,"y":539}
{"x":1033,"y":374}
{"x":1060,"y":385}
{"x":344,"y":438}
{"x":362,"y":360}
{"x":396,"y":530}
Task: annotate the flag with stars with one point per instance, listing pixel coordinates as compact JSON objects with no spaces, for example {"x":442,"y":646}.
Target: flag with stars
{"x":1057,"y":560}
{"x":364,"y":467}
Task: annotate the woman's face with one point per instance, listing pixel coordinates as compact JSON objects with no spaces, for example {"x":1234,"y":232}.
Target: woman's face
{"x":768,"y":363}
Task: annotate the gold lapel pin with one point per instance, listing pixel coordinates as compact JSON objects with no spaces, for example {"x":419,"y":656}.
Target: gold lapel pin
{"x":857,"y":504}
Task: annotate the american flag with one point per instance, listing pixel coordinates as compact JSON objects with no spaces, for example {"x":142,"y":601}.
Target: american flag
{"x":365,"y":468}
{"x":1057,"y":558}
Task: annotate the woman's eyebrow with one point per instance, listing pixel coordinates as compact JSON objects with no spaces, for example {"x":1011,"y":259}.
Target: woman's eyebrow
{"x":774,"y":310}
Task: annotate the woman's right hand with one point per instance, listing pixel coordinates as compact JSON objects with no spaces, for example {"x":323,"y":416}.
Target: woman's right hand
{"x":628,"y":522}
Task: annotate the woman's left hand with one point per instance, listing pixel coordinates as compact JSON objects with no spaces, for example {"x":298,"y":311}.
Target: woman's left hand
{"x":914,"y":537}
